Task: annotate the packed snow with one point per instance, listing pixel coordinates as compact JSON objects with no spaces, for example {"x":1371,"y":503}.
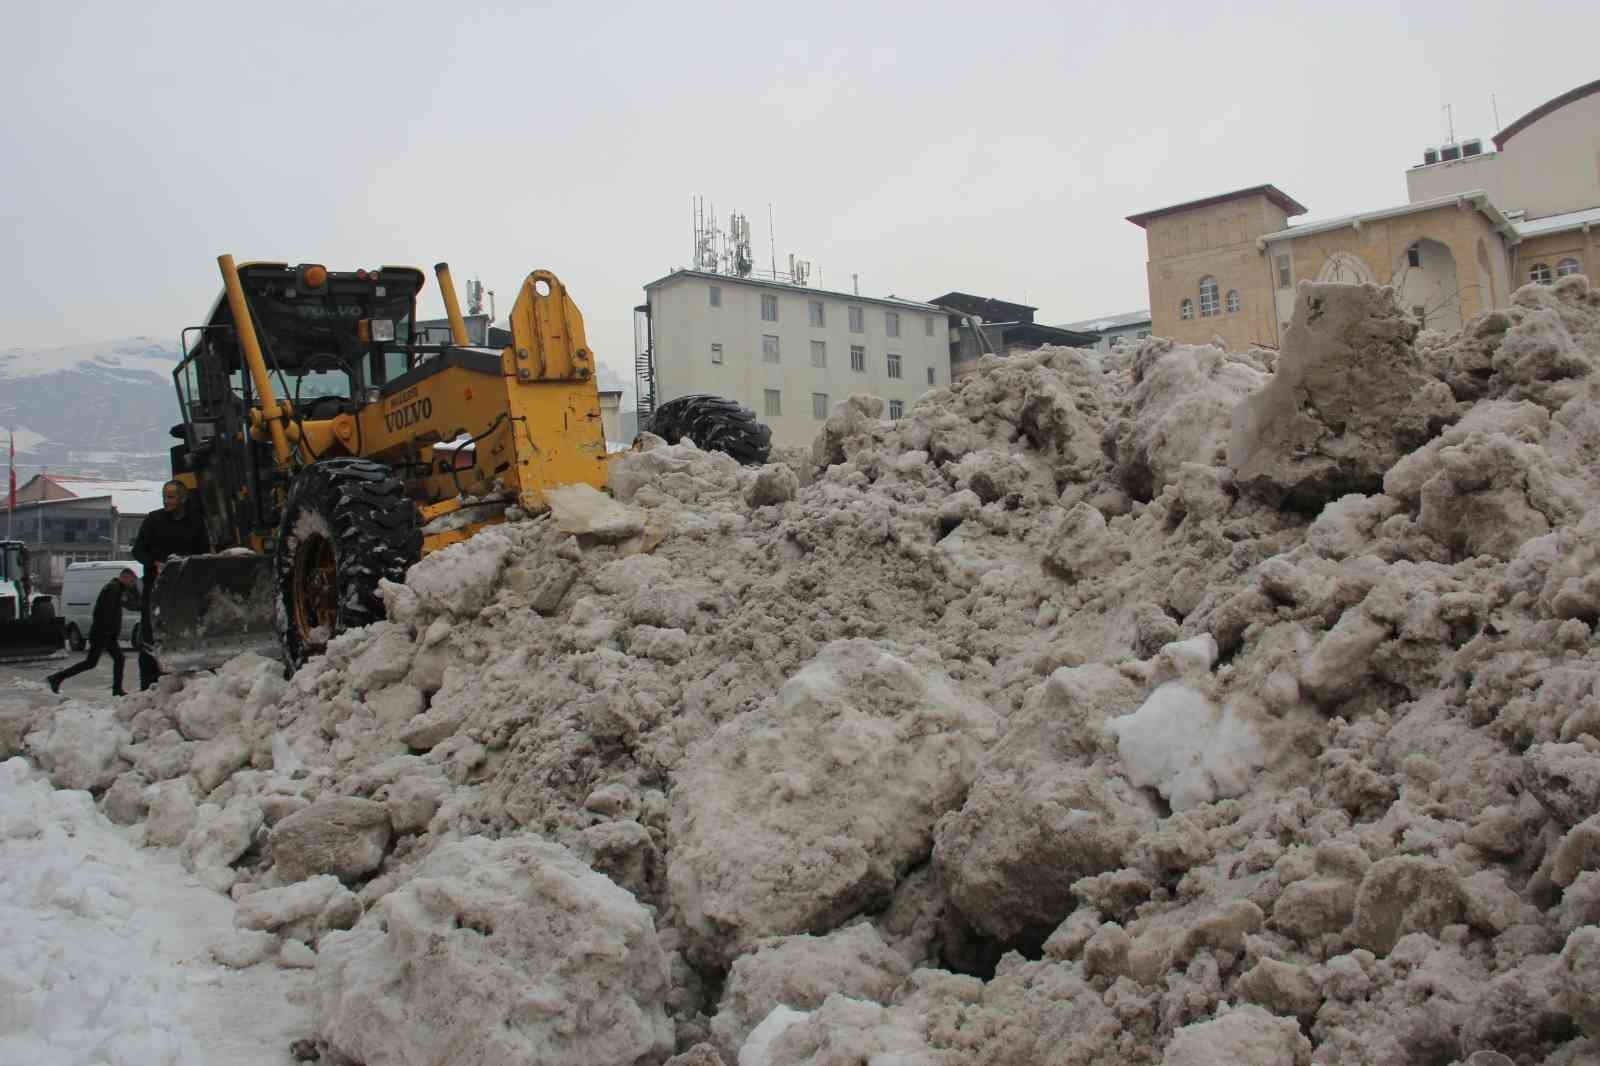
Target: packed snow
{"x":1154,"y":707}
{"x":114,"y":955}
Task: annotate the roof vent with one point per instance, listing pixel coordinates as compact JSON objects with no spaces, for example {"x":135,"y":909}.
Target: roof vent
{"x":1449,"y":152}
{"x":1430,"y":156}
{"x":1472,"y":147}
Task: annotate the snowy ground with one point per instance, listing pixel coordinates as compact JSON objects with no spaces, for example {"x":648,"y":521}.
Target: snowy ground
{"x":106,"y":953}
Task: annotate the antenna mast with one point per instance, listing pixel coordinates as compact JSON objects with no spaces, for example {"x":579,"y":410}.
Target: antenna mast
{"x":1493,"y":106}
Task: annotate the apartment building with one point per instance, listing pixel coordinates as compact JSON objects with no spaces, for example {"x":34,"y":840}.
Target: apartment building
{"x":786,"y":351}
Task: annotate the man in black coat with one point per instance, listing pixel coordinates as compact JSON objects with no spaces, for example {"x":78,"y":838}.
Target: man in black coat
{"x":176,"y":529}
{"x":104,"y":632}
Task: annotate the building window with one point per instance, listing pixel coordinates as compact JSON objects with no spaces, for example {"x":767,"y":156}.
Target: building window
{"x":891,"y":323}
{"x":858,"y":358}
{"x":819,"y":405}
{"x":716,"y":295}
{"x":896,"y":409}
{"x":927,"y":326}
{"x":716,"y":353}
{"x":894,"y":364}
{"x":856,"y":317}
{"x":1186,"y":310}
{"x":1142,"y":334}
{"x":1567,"y":266}
{"x":1414,"y":255}
{"x":769,"y":309}
{"x":1420,"y":313}
{"x":1210,"y":304}
{"x":819,"y":353}
{"x":819,"y":316}
{"x":773,"y":401}
{"x":1283,"y":272}
{"x":933,"y":376}
{"x":769,"y":348}
{"x":1233,"y":300}
{"x":1540,"y":273}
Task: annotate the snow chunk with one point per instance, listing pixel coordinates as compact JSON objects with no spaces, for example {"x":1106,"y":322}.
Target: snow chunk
{"x":80,"y":747}
{"x":1246,"y":1036}
{"x":496,"y":952}
{"x":1186,"y":748}
{"x":798,"y":815}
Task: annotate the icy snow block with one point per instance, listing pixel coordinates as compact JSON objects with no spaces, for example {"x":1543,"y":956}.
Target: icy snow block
{"x":801,"y":972}
{"x":1186,"y":748}
{"x":80,"y":747}
{"x":585,"y":511}
{"x":775,"y":483}
{"x":1181,"y":412}
{"x":344,"y":836}
{"x":503,"y":951}
{"x":1348,"y":400}
{"x":273,"y":908}
{"x":1580,"y":961}
{"x":1028,"y":831}
{"x":461,"y":579}
{"x":802,"y":813}
{"x":1565,"y":779}
{"x":1245,"y":1036}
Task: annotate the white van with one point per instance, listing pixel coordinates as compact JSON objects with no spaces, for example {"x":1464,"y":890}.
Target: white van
{"x":79,"y":589}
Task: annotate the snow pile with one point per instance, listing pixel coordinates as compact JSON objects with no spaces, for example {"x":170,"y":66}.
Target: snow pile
{"x":1163,"y":706}
{"x":103,"y":959}
{"x":497,"y":951}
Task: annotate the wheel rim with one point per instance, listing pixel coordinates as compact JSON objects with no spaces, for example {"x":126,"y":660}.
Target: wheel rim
{"x":315,"y":584}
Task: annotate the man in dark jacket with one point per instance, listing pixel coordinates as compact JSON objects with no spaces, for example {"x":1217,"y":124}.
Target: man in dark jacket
{"x":104,"y":632}
{"x":176,"y":529}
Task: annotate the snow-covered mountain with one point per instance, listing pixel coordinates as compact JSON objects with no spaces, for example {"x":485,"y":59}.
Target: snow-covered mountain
{"x":103,"y":409}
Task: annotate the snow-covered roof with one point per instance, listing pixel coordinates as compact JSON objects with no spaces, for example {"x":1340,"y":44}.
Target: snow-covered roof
{"x":134,"y":355}
{"x":1477,"y":198}
{"x":128,"y":497}
{"x":1109,"y":322}
{"x":728,"y":279}
{"x":1556,"y":223}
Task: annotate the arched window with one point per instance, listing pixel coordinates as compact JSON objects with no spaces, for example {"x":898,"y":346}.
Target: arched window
{"x":1186,"y":310}
{"x":1233,"y":300}
{"x":1540,"y":273}
{"x":1210,"y":303}
{"x":1567,"y":266}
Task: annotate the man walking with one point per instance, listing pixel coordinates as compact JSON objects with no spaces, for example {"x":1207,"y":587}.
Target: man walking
{"x":104,"y":632}
{"x":176,"y":529}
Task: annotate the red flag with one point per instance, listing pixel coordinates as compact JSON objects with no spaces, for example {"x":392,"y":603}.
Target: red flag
{"x":11,"y":504}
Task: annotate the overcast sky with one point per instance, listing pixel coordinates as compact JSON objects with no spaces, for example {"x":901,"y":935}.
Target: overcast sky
{"x":989,"y":148}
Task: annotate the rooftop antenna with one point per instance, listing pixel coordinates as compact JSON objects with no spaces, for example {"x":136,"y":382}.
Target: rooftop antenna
{"x":772,"y":238}
{"x":1450,"y":124}
{"x":1496,"y":109}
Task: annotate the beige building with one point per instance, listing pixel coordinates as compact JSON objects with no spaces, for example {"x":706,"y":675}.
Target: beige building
{"x":1478,"y":225}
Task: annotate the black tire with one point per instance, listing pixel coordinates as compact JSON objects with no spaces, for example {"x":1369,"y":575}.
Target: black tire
{"x":75,"y":639}
{"x":715,"y":424}
{"x":347,"y":524}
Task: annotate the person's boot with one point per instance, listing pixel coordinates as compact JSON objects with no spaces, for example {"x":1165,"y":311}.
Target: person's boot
{"x":55,"y":683}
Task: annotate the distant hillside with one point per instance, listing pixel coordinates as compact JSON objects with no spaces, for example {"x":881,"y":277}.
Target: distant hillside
{"x":102,"y":409}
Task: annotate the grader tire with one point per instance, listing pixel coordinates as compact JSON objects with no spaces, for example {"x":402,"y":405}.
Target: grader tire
{"x":347,"y":524}
{"x":714,"y":424}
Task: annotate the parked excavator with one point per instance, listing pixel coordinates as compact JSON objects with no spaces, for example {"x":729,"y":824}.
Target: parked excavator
{"x":30,"y":625}
{"x":329,"y":447}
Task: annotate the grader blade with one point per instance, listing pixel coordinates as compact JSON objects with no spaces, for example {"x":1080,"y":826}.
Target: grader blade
{"x":31,"y":639}
{"x":208,"y":608}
